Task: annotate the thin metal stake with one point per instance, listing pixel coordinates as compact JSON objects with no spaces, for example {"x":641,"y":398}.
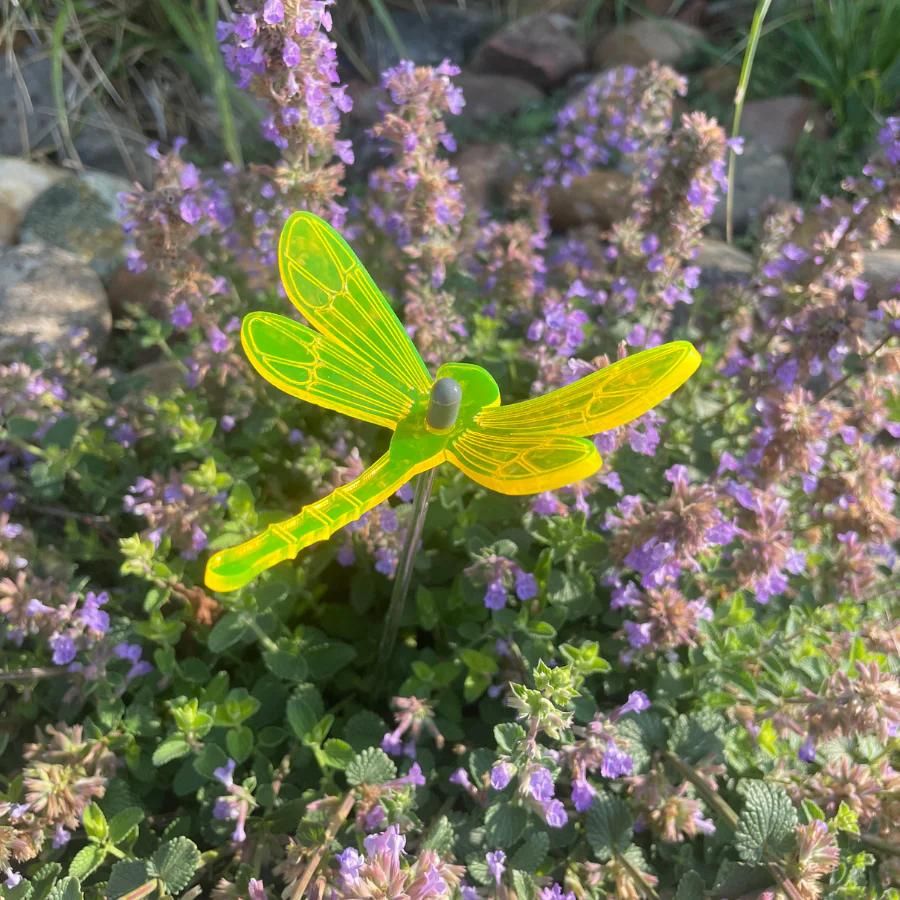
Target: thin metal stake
{"x":424,"y":484}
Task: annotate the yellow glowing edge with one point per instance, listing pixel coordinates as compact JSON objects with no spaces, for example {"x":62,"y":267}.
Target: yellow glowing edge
{"x":357,"y":359}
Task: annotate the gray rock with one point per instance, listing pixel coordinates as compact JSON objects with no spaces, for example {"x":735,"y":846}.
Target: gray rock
{"x":777,"y":122}
{"x":881,"y":268}
{"x":486,"y":173}
{"x":543,"y":49}
{"x":492,"y":97}
{"x":446,"y":33}
{"x":761,"y":176}
{"x":666,"y":41}
{"x":20,"y":182}
{"x":79,"y":214}
{"x":101,"y":137}
{"x":721,"y":264}
{"x":45,"y":293}
{"x":27,"y":120}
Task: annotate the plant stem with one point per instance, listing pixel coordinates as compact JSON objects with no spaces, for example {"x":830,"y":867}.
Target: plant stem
{"x":424,"y":484}
{"x":334,"y":824}
{"x":740,"y":95}
{"x":645,"y":889}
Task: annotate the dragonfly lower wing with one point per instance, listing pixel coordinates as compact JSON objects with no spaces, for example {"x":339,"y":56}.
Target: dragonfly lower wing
{"x":234,"y":567}
{"x":515,"y":464}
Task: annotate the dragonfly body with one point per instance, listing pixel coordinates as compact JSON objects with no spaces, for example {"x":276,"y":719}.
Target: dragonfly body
{"x":358,"y":360}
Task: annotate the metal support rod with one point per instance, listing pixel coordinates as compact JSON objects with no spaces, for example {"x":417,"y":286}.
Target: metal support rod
{"x":424,"y":484}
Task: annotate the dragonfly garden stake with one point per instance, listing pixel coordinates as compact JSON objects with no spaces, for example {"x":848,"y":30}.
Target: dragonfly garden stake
{"x":358,"y":360}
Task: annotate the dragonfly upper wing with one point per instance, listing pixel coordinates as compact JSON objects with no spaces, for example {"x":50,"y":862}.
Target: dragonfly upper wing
{"x":331,"y":287}
{"x":602,"y":400}
{"x":516,"y":464}
{"x":307,"y":365}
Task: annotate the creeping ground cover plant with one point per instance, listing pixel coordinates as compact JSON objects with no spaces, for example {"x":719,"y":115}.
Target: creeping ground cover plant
{"x":672,"y":676}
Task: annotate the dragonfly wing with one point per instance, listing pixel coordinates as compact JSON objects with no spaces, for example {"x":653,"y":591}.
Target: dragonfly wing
{"x":602,"y":400}
{"x":307,"y":365}
{"x":330,"y":286}
{"x":523,"y":464}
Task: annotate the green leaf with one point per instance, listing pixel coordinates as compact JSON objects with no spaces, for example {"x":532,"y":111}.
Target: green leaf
{"x":766,"y":825}
{"x":95,"y":825}
{"x":175,"y":863}
{"x":227,"y":631}
{"x":698,"y":736}
{"x":123,"y":822}
{"x":372,"y":766}
{"x":304,"y":710}
{"x":737,"y":880}
{"x":364,"y":729}
{"x":86,"y":860}
{"x":478,"y":663}
{"x":508,"y":736}
{"x":327,"y":657}
{"x":609,"y":826}
{"x":691,"y":887}
{"x":524,"y":885}
{"x":441,"y":837}
{"x":336,"y":753}
{"x":286,"y":664}
{"x":68,"y":888}
{"x":845,"y":819}
{"x":126,"y":876}
{"x":503,"y":825}
{"x":171,"y":748}
{"x":240,"y":743}
{"x":532,"y":853}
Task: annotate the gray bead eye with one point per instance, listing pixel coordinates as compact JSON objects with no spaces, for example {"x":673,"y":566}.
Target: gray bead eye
{"x":443,"y":408}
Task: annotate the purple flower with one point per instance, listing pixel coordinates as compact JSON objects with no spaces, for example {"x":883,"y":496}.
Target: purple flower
{"x":61,"y":837}
{"x":495,"y":596}
{"x":526,"y":585}
{"x":91,"y":615}
{"x":190,"y":210}
{"x":63,"y":648}
{"x":256,"y":890}
{"x":582,"y":794}
{"x":615,"y":763}
{"x":555,"y":814}
{"x":351,"y":861}
{"x":218,"y":340}
{"x":496,"y":863}
{"x":181,"y":316}
{"x":224,"y":774}
{"x":290,"y":54}
{"x":501,"y":775}
{"x":807,"y":751}
{"x":637,"y":702}
{"x":541,"y":785}
{"x":273,"y":12}
{"x":556,"y":893}
{"x":461,"y":777}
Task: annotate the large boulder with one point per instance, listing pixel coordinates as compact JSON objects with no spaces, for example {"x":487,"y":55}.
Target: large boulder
{"x":492,"y":97}
{"x":81,"y":214}
{"x":777,"y":122}
{"x":543,"y":49}
{"x":598,"y":198}
{"x":20,"y":182}
{"x":45,"y":295}
{"x":666,"y":41}
{"x":760,"y":177}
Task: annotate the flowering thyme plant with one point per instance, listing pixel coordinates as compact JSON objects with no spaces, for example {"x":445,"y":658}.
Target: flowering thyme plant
{"x":676,"y":679}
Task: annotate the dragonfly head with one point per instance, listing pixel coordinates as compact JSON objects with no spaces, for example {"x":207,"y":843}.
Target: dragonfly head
{"x":474,"y":390}
{"x":443,"y":404}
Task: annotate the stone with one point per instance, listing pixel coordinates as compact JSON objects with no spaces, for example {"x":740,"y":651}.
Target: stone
{"x":27,"y":123}
{"x":778,"y":122}
{"x":80,"y":214}
{"x":443,"y":33}
{"x":100,"y":136}
{"x":665,"y":40}
{"x":721,"y":264}
{"x":881,"y":268}
{"x":20,"y":182}
{"x":543,"y":49}
{"x":486,"y":173}
{"x":719,"y":80}
{"x":492,"y":97}
{"x":760,"y":177}
{"x":599,"y":198}
{"x":45,"y":293}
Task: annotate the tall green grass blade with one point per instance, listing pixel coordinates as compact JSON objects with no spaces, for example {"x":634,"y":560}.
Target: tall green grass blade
{"x":740,"y":95}
{"x":390,"y":29}
{"x":221,"y":85}
{"x":57,"y":85}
